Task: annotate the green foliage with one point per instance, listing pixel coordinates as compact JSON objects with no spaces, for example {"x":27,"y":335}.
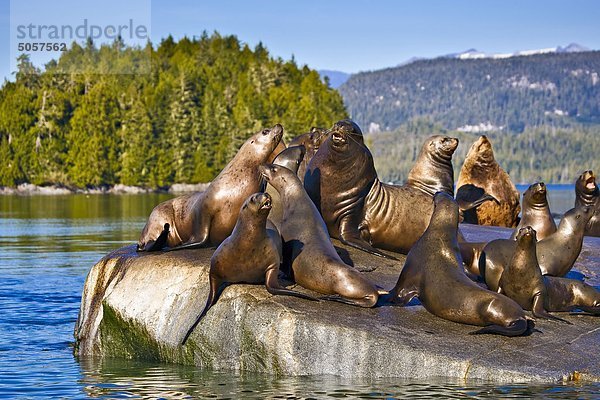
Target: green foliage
{"x":514,"y":93}
{"x":151,"y":116}
{"x":552,"y":155}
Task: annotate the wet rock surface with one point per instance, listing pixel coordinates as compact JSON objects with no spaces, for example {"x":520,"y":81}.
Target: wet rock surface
{"x":140,"y":305}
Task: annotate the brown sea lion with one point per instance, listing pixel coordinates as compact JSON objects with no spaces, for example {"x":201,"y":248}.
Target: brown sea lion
{"x":314,"y":262}
{"x":290,"y":158}
{"x":362,"y":211}
{"x":251,"y":254}
{"x":311,"y":142}
{"x":480,"y":174}
{"x":587,"y":194}
{"x":433,"y":272}
{"x":556,"y":253}
{"x":207,"y":218}
{"x":566,"y":294}
{"x":536,"y":212}
{"x":522,"y":278}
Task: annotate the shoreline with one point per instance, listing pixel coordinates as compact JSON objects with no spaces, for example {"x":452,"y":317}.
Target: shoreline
{"x":28,"y":189}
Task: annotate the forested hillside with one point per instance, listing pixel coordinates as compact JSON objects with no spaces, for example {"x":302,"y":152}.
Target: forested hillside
{"x":179,"y":121}
{"x":556,"y":155}
{"x":508,"y":95}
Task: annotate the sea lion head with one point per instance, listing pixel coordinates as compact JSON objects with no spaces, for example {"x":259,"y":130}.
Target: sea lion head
{"x":586,"y":182}
{"x":482,"y":150}
{"x":342,"y":132}
{"x":535,"y":195}
{"x":317,"y":137}
{"x":441,"y":146}
{"x":575,"y":219}
{"x":266,"y":140}
{"x":258,"y":204}
{"x":526,"y":236}
{"x":277,"y":176}
{"x":433,"y":171}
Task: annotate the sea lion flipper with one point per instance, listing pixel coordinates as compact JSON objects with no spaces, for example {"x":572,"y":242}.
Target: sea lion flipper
{"x":341,"y":299}
{"x":516,"y":328}
{"x":352,"y":237}
{"x":274,"y":287}
{"x":213,"y":294}
{"x":161,"y":241}
{"x":539,"y":311}
{"x":590,"y":310}
{"x":464,"y":205}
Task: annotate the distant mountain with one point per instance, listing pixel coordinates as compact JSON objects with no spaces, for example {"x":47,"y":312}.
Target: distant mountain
{"x":475,"y":93}
{"x":336,"y":78}
{"x":473,"y":53}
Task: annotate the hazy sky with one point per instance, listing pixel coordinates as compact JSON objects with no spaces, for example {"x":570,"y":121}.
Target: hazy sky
{"x":354,"y":36}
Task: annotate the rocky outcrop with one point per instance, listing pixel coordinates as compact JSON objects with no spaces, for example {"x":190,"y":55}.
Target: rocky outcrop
{"x":140,"y":305}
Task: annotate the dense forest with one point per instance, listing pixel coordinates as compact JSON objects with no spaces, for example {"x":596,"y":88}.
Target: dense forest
{"x":151,"y":116}
{"x":513,"y":94}
{"x":549,"y":154}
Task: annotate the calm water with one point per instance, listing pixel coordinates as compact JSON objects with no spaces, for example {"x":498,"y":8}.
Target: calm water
{"x":48,"y":244}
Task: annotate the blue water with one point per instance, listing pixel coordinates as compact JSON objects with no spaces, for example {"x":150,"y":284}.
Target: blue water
{"x":47,"y":246}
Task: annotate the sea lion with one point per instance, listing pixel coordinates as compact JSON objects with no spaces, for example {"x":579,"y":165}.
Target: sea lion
{"x":362,"y":211}
{"x":566,"y":294}
{"x":480,"y":174}
{"x":311,"y":141}
{"x":536,"y":212}
{"x":314,"y":262}
{"x":207,"y":218}
{"x":522,"y":278}
{"x":251,"y":254}
{"x":556,"y":253}
{"x":290,"y":158}
{"x":587,"y":194}
{"x":433,"y":272}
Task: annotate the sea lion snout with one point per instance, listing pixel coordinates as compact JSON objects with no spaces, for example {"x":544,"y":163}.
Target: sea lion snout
{"x":540,"y":187}
{"x":590,"y":180}
{"x":338,"y":138}
{"x":526,"y":233}
{"x":266,"y":171}
{"x":264,"y":200}
{"x":277,"y":130}
{"x":450,"y":144}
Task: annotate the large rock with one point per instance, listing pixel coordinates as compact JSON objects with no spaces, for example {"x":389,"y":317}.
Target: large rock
{"x":141,"y":305}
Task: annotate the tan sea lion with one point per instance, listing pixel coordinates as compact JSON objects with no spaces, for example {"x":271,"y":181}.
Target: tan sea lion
{"x":314,"y":262}
{"x":556,"y":253}
{"x":587,"y":194}
{"x":311,"y":142}
{"x":207,"y":218}
{"x":251,"y":254}
{"x":362,"y":211}
{"x":536,"y":212}
{"x":290,"y":158}
{"x":522,"y":278}
{"x":433,"y":272}
{"x":481,"y":174}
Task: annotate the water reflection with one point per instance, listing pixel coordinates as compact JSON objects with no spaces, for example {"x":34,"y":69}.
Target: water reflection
{"x":125,"y":379}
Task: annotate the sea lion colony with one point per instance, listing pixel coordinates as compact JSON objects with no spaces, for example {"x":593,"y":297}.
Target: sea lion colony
{"x":339,"y":195}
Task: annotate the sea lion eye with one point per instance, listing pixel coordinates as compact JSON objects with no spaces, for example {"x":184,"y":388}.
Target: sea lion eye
{"x":265,"y":132}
